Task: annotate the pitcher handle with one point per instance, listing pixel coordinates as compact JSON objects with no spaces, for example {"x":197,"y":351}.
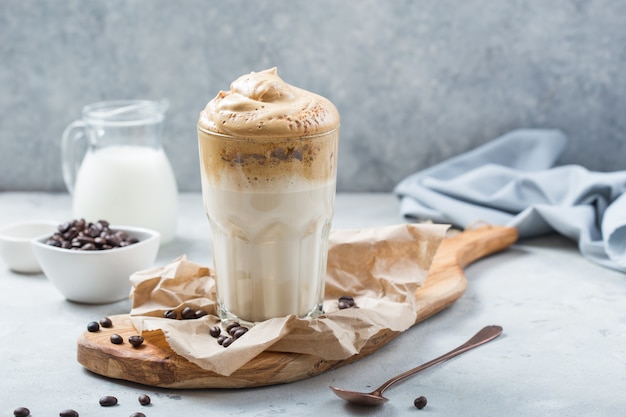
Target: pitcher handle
{"x":72,"y":134}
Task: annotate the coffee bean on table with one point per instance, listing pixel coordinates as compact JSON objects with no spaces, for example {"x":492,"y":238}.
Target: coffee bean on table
{"x":68,"y":413}
{"x":138,"y":414}
{"x":135,"y":340}
{"x":106,"y":322}
{"x":108,"y":401}
{"x":116,"y":339}
{"x":144,"y":399}
{"x":93,"y":326}
{"x":420,"y":402}
{"x":21,"y":412}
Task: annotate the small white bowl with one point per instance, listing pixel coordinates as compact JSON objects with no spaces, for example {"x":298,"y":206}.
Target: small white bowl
{"x":97,"y":277}
{"x":15,"y":244}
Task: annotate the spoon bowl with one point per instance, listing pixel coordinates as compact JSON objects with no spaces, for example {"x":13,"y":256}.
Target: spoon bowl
{"x":375,"y":397}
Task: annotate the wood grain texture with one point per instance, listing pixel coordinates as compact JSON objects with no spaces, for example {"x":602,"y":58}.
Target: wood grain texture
{"x":155,"y":364}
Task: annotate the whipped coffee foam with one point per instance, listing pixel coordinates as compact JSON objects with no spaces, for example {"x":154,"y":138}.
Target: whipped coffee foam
{"x":261,"y":104}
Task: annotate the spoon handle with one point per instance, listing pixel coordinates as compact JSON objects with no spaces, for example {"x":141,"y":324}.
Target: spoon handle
{"x":485,"y":335}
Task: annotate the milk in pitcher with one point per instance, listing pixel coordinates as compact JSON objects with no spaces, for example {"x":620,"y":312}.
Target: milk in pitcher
{"x":129,"y":185}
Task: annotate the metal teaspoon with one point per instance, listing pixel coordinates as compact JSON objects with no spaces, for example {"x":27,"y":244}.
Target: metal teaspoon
{"x":375,"y":397}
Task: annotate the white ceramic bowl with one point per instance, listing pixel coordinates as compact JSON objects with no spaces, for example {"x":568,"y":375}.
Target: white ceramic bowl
{"x":97,"y":277}
{"x":15,"y":244}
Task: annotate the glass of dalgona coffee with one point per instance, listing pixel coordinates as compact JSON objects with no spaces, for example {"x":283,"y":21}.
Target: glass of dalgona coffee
{"x":268,"y":159}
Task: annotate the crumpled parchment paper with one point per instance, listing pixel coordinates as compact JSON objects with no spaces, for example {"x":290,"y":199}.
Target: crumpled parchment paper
{"x":380,"y":267}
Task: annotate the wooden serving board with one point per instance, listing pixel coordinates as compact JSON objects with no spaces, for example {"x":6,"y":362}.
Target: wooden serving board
{"x":155,"y":364}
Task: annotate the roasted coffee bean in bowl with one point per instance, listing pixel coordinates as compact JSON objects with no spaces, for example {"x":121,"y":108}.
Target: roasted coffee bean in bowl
{"x":92,"y":262}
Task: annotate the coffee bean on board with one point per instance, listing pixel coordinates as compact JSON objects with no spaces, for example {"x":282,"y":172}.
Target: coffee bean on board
{"x":116,"y":339}
{"x":93,"y":326}
{"x":135,"y":340}
{"x":200,"y":313}
{"x":170,"y":314}
{"x":231,"y":325}
{"x":106,"y":322}
{"x":228,"y":341}
{"x":215,"y":331}
{"x":346,"y":301}
{"x":188,"y":313}
{"x":68,"y":413}
{"x":239,"y":331}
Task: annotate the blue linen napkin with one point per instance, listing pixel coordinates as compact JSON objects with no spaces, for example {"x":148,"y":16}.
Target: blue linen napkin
{"x":512,"y":181}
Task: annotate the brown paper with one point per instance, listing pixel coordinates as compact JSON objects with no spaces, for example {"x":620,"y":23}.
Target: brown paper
{"x":380,"y":267}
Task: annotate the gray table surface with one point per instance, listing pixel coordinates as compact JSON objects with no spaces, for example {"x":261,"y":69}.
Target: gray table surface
{"x":563,"y":351}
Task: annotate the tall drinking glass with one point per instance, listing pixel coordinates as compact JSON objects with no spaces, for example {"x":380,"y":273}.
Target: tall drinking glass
{"x":270,"y":203}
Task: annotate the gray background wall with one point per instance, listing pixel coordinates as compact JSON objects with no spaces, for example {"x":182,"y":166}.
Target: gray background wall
{"x":416,"y":82}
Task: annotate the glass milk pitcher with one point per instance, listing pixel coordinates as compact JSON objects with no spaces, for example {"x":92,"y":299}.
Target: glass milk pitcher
{"x":115,"y":168}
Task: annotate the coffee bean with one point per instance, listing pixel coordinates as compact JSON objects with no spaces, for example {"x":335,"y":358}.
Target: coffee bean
{"x":220,"y":339}
{"x":108,"y":401}
{"x":93,"y":326}
{"x":64,"y":227}
{"x":215,"y":331}
{"x":346,"y":301}
{"x":238,"y":332}
{"x":70,"y":234}
{"x":135,"y":340}
{"x":170,"y":314}
{"x":200,"y":313}
{"x":116,"y":339}
{"x":420,"y":402}
{"x":83,"y":240}
{"x":233,"y":329}
{"x":228,"y":341}
{"x":188,"y":313}
{"x":137,"y":415}
{"x":93,"y":231}
{"x":144,"y":399}
{"x":106,"y":322}
{"x":231,"y":325}
{"x":68,"y":413}
{"x":21,"y":412}
{"x":80,"y":235}
{"x":88,"y":246}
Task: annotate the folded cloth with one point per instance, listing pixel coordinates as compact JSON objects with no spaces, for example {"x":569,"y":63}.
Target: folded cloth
{"x":512,"y":181}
